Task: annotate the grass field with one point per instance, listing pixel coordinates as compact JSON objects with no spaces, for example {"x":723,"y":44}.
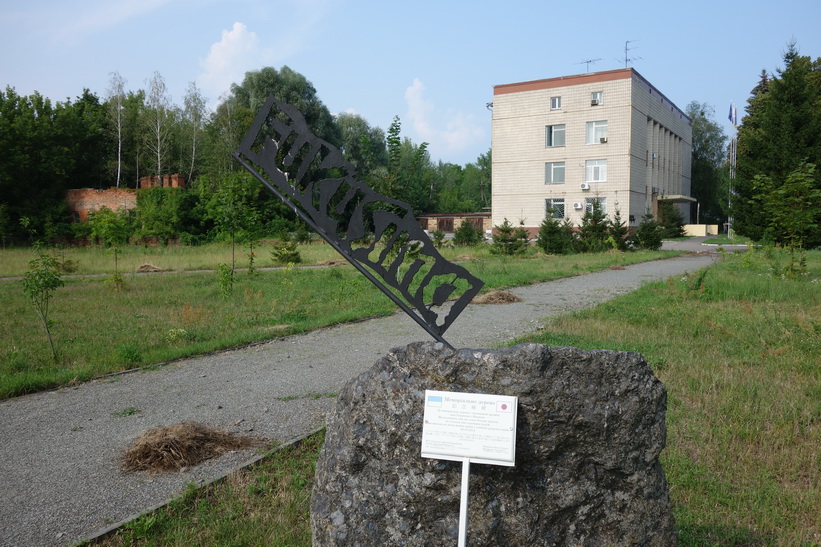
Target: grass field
{"x":738,"y":349}
{"x":159,"y":317}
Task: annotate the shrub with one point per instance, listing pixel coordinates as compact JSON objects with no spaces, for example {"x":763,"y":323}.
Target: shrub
{"x":285,"y":252}
{"x":467,"y":234}
{"x":555,"y":236}
{"x":649,"y":234}
{"x":509,"y":240}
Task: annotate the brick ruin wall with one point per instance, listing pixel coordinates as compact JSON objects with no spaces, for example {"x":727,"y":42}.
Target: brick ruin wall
{"x":81,"y":201}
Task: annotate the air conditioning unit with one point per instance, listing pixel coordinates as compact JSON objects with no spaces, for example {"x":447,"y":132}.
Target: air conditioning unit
{"x":603,"y":140}
{"x":585,"y":186}
{"x":594,"y":102}
{"x":655,"y":189}
{"x":578,"y":205}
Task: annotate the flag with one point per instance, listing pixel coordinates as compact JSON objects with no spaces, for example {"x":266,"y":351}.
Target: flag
{"x":733,"y":115}
{"x":434,"y":400}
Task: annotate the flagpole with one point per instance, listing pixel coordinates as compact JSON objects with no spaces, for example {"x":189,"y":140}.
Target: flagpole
{"x":733,"y":117}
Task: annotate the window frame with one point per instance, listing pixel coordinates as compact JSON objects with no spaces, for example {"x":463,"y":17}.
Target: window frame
{"x":556,"y":102}
{"x":550,"y":135}
{"x":550,"y":169}
{"x":593,"y":168}
{"x":550,"y":205}
{"x":595,"y":131}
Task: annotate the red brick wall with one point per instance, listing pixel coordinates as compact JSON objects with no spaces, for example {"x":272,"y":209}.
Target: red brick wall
{"x":83,"y":200}
{"x":168,"y":181}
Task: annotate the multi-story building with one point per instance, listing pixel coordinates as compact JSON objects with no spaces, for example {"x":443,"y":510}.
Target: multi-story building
{"x":561,"y":143}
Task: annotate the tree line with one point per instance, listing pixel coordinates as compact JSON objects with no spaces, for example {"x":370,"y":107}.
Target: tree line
{"x":776,"y":193}
{"x":92,"y":142}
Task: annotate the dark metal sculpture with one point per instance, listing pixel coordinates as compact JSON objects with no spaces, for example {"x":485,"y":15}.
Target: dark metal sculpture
{"x":311,"y":176}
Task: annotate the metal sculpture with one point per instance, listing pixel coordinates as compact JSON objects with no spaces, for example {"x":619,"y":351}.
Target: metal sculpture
{"x":320,"y":186}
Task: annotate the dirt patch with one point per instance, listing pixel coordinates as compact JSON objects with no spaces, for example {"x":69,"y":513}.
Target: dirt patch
{"x":333,"y":262}
{"x":497,"y":297}
{"x":616,"y":267}
{"x":178,"y":446}
{"x":146,"y":268}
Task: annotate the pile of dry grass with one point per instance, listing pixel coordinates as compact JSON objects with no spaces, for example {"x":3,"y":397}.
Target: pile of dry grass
{"x":174,"y":447}
{"x":148,"y":268}
{"x":497,"y":297}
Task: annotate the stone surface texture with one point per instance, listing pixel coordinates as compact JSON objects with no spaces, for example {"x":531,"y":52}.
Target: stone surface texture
{"x":589,"y":433}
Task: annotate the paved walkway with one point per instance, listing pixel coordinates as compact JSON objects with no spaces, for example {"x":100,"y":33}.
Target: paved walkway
{"x":59,"y":450}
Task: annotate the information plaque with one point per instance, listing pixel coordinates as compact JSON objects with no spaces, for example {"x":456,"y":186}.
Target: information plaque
{"x":473,"y":426}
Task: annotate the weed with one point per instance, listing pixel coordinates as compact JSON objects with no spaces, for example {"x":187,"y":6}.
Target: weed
{"x":129,"y":354}
{"x":130,"y":411}
{"x":225,"y":278}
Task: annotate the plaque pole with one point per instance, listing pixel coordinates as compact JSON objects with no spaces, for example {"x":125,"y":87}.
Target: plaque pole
{"x":463,"y":504}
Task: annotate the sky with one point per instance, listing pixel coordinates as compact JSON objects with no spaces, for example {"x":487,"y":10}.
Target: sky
{"x":433,"y":64}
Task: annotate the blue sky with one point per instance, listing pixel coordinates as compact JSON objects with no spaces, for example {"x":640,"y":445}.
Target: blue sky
{"x":434,"y":64}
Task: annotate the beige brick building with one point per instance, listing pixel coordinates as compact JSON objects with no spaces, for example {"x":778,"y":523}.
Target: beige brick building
{"x":562,"y":143}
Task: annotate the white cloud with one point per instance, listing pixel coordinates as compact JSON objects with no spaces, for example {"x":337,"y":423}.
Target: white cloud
{"x":238,"y":51}
{"x":447,"y":134}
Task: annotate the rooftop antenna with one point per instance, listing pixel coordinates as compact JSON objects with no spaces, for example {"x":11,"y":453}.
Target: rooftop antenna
{"x":627,"y":58}
{"x":587,"y":62}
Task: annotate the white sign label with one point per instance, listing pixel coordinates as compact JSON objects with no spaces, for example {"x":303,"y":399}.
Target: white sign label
{"x":470,"y":425}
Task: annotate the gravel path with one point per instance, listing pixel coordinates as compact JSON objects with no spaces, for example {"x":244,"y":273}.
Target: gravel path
{"x":59,"y":455}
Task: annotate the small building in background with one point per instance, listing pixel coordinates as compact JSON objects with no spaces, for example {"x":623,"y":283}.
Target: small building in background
{"x":561,"y":144}
{"x":449,"y":222}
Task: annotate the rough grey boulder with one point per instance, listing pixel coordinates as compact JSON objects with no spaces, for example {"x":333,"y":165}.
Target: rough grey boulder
{"x":590,"y":430}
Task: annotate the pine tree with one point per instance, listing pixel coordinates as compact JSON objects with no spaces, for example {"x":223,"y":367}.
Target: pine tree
{"x":781,"y":130}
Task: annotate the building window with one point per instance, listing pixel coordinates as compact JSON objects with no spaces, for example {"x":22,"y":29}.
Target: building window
{"x":554,"y":135}
{"x":588,"y":204}
{"x":554,"y":207}
{"x":554,"y":172}
{"x":555,"y":103}
{"x":595,"y":171}
{"x":597,"y":132}
{"x":596,"y":98}
{"x":445,"y":225}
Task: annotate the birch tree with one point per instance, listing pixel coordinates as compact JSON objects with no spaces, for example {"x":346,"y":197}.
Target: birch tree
{"x":158,"y":121}
{"x":194,"y":116}
{"x":116,"y":98}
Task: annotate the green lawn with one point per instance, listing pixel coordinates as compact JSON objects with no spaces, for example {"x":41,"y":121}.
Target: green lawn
{"x":158,"y":317}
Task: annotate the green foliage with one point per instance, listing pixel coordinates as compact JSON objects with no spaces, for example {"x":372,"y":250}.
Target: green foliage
{"x":649,"y":235}
{"x":556,"y":236}
{"x":164,"y":213}
{"x":438,"y":238}
{"x":468,"y":234}
{"x":671,"y":220}
{"x":47,"y":148}
{"x":617,"y":232}
{"x":791,"y":211}
{"x":781,"y":130}
{"x":593,"y":230}
{"x":39,"y":284}
{"x":509,"y":240}
{"x":709,"y":184}
{"x":225,"y":279}
{"x":110,"y":228}
{"x":285,"y":252}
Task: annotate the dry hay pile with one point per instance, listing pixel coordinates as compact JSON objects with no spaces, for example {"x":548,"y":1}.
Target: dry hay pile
{"x":148,"y":268}
{"x":174,"y":447}
{"x":497,"y":297}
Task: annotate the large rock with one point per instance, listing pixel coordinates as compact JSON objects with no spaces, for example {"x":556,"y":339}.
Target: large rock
{"x":590,"y":429}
